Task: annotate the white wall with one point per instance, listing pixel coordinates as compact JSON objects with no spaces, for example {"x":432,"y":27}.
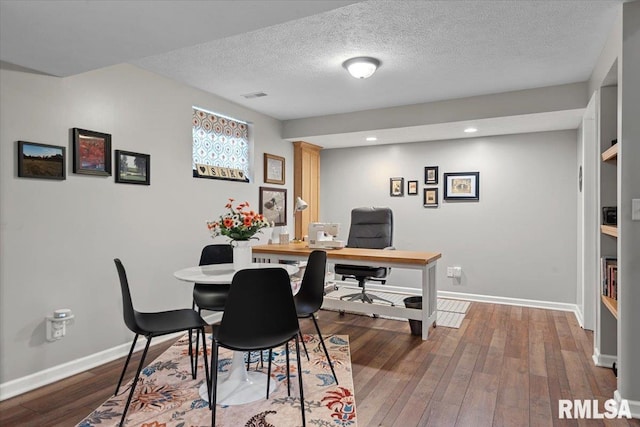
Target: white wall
{"x":58,"y":238}
{"x":518,"y":241}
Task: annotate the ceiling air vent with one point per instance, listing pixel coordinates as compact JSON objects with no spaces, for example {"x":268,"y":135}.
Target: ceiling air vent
{"x":254,"y":95}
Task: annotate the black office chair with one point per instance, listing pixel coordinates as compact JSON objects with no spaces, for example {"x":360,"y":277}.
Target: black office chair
{"x":152,"y":325}
{"x":260,"y":314}
{"x":311,"y":295}
{"x":371,"y":228}
{"x":211,"y":297}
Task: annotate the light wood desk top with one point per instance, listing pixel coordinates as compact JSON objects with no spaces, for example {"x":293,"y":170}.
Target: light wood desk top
{"x":360,"y":254}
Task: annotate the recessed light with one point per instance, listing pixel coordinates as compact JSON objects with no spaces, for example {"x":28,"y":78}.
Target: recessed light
{"x":372,"y":138}
{"x":470,"y":130}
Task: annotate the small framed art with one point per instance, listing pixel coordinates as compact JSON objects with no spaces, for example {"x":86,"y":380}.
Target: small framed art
{"x":273,"y":169}
{"x":412,"y":188}
{"x":430,"y":198}
{"x":396,"y":187}
{"x":431,"y":175}
{"x":91,"y":152}
{"x":273,"y":205}
{"x":133,"y":168}
{"x":462,"y":186}
{"x":41,"y":161}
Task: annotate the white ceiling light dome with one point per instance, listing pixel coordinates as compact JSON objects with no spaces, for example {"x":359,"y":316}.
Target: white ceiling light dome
{"x":361,"y":67}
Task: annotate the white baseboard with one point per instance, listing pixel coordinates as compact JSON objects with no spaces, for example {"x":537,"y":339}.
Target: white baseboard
{"x":634,"y":405}
{"x":603,"y":360}
{"x":56,"y":373}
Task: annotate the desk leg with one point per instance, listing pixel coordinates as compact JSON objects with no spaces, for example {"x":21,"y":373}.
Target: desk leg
{"x":429,"y":299}
{"x":240,"y":386}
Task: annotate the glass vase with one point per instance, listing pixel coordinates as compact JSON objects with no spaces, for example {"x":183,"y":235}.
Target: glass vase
{"x":241,"y":254}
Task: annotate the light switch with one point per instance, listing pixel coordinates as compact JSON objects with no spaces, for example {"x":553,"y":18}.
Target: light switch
{"x":635,"y":209}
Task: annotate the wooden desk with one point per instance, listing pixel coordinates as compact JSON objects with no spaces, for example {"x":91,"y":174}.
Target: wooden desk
{"x":423,"y":261}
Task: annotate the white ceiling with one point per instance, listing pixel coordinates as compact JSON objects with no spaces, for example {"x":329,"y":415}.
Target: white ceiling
{"x":293,"y":50}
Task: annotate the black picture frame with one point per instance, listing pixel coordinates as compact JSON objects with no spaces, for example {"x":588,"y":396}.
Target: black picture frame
{"x":430,"y":197}
{"x":431,"y":175}
{"x":42,"y":161}
{"x":412,"y":188}
{"x":396,"y":187}
{"x":462,"y":186}
{"x":91,"y":152}
{"x":132,"y":168}
{"x":273,"y":205}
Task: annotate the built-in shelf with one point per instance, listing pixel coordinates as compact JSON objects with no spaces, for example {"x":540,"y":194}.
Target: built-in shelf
{"x":610,"y":230}
{"x":611,"y":153}
{"x":611,"y":304}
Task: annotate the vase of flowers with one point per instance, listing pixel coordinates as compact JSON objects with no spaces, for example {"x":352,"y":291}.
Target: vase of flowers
{"x":240,"y":224}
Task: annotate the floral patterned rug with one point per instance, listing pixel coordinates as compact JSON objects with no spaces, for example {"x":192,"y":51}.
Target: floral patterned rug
{"x":167,"y":396}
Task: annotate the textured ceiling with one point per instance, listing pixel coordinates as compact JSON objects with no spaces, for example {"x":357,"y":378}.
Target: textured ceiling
{"x":293,"y":50}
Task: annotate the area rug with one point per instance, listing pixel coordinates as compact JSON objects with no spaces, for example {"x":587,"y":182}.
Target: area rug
{"x":167,"y":396}
{"x":451,"y":313}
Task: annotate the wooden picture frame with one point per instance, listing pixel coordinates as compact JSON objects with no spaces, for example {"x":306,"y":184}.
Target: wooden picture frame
{"x":462,"y":186}
{"x":274,"y":171}
{"x":431,"y":175}
{"x":133,"y":168}
{"x":412,"y":188}
{"x":91,"y":152}
{"x":41,"y":161}
{"x":273,"y":205}
{"x":396,"y":187}
{"x":430,"y":197}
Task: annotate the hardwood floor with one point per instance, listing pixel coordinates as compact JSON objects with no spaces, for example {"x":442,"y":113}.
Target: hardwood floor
{"x":505,"y":366}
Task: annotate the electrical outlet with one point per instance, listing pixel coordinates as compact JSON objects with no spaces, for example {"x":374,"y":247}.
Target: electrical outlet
{"x":449,"y":271}
{"x":457,"y":272}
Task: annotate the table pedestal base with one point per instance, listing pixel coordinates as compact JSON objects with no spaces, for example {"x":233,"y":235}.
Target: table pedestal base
{"x":239,"y":386}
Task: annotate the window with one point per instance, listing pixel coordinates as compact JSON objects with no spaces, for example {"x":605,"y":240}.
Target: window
{"x":220,"y":141}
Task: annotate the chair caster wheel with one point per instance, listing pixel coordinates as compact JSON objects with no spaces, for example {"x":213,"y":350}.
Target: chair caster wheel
{"x":341,"y":312}
{"x":375,"y":316}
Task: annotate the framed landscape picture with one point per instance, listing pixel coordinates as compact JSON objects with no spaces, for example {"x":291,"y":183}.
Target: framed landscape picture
{"x":91,"y":152}
{"x":41,"y":161}
{"x":133,"y":168}
{"x":273,"y":205}
{"x":462,"y":186}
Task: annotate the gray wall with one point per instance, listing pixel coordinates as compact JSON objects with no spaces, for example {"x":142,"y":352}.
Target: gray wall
{"x":58,"y":238}
{"x":518,"y":241}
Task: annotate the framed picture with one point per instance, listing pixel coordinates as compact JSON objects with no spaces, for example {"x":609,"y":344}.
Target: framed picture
{"x":430,"y":198}
{"x":273,"y":205}
{"x":396,"y":187}
{"x":41,"y":161}
{"x":412,"y":188}
{"x":431,"y":175}
{"x":91,"y":152}
{"x":273,"y":169}
{"x":462,"y":186}
{"x":133,"y":168}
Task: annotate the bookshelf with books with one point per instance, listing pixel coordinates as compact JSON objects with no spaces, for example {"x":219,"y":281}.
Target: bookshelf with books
{"x":609,"y":284}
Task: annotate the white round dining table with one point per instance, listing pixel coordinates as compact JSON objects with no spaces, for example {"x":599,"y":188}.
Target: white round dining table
{"x":239,"y":386}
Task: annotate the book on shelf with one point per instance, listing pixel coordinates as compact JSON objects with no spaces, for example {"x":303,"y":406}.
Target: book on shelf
{"x":609,"y":277}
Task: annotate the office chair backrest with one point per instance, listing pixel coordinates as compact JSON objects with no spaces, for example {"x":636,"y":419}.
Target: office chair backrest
{"x":127,"y":305}
{"x":311,"y":293}
{"x":216,"y":254}
{"x":371,"y":228}
{"x":260,"y":311}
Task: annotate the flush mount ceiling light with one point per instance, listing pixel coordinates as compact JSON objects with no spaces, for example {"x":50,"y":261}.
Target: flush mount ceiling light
{"x":362,"y":66}
{"x":471,"y":130}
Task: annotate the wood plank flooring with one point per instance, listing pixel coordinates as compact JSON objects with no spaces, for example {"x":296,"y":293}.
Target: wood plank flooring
{"x":505,"y":366}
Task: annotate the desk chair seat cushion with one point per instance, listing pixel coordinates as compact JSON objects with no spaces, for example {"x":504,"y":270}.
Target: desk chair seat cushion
{"x":361,"y":271}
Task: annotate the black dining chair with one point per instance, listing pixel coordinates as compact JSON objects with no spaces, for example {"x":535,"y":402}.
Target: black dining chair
{"x":260,"y":314}
{"x":152,"y":325}
{"x":211,"y":297}
{"x":311,"y":295}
